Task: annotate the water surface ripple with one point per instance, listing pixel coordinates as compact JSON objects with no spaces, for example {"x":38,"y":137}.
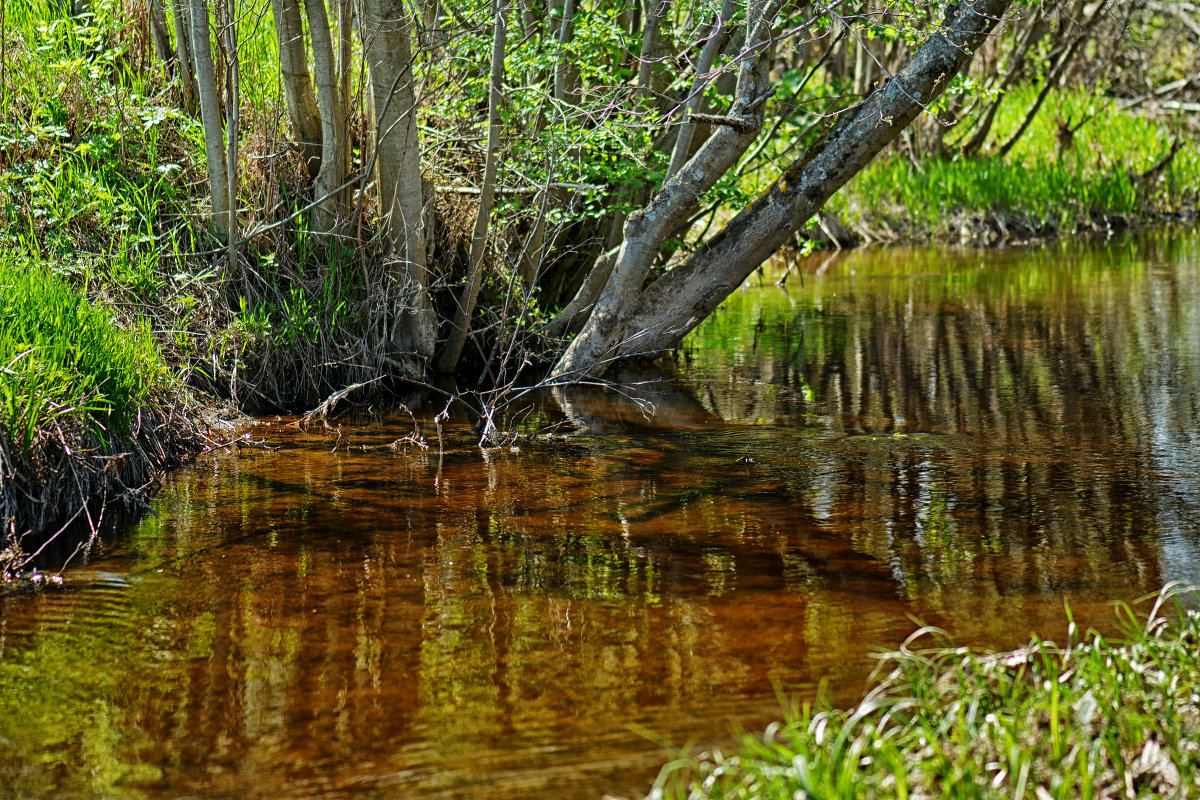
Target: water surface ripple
{"x":963,"y":438}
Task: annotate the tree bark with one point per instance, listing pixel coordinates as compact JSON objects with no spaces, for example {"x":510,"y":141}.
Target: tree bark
{"x":210,"y":117}
{"x":297,"y":83}
{"x":655,"y":11}
{"x":695,"y":103}
{"x":327,"y":196}
{"x":387,"y":41}
{"x":160,"y":34}
{"x":565,"y":33}
{"x":233,"y":121}
{"x":658,"y":317}
{"x":466,"y":302}
{"x":183,"y":52}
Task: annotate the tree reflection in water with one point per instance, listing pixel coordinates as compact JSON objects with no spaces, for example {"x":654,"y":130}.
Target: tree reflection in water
{"x":962,"y":439}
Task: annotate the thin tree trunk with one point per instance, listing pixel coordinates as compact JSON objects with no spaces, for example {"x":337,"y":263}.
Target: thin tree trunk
{"x":345,"y":69}
{"x":233,"y":121}
{"x":659,"y":316}
{"x":3,"y":58}
{"x":210,"y":117}
{"x":1033,"y":34}
{"x":328,"y":209}
{"x":160,"y":34}
{"x":386,"y":30}
{"x":466,"y":302}
{"x":1051,"y":81}
{"x":708,"y":56}
{"x":565,"y":33}
{"x":297,"y":83}
{"x":183,"y":52}
{"x":655,"y":11}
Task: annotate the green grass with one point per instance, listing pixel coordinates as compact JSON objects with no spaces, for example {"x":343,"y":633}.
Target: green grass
{"x":1039,"y":184}
{"x":1093,"y":718}
{"x":65,"y":362}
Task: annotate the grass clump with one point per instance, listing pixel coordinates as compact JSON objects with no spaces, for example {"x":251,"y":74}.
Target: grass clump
{"x":83,"y":401}
{"x":1091,"y":719}
{"x":1099,"y":175}
{"x":64,"y":358}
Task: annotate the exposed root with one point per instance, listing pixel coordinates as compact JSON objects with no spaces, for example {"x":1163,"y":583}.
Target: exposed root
{"x":55,"y":498}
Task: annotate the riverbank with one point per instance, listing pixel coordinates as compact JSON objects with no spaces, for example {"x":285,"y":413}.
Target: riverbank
{"x":1093,"y":718}
{"x":1119,"y":165}
{"x":103,"y":178}
{"x":90,"y":416}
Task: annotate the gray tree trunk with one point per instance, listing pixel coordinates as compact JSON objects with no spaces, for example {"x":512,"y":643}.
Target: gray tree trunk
{"x":227,"y":17}
{"x":210,"y":117}
{"x":652,"y":33}
{"x":387,"y":39}
{"x":327,"y":192}
{"x":466,"y":302}
{"x":183,"y":52}
{"x":160,"y":34}
{"x":566,"y":32}
{"x":695,"y":102}
{"x":297,"y":83}
{"x":633,"y":322}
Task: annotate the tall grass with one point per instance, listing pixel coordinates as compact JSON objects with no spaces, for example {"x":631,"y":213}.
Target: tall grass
{"x":65,"y":362}
{"x":1041,"y":187}
{"x":1093,"y":718}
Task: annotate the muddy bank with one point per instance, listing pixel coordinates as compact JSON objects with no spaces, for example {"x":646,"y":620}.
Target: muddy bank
{"x":1000,"y":228}
{"x":72,"y":483}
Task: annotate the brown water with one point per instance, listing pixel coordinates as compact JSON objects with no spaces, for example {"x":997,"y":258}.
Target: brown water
{"x":967,"y":439}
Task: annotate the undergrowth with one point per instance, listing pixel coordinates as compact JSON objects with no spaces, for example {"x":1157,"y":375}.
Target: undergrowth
{"x":1093,"y":718}
{"x":89,"y":412}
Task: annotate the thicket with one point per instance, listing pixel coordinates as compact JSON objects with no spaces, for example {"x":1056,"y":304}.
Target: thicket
{"x":103,"y":166}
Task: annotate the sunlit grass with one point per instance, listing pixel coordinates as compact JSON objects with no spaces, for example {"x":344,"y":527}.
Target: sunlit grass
{"x":64,"y":360}
{"x":1093,"y":718}
{"x":1040,"y":184}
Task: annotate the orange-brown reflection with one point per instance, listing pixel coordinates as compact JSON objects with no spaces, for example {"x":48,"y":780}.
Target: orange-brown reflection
{"x":328,"y":621}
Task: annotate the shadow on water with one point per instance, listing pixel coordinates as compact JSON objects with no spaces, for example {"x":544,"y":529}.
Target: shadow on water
{"x":961,"y":438}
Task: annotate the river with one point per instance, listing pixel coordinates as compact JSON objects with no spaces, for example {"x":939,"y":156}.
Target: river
{"x":852,"y":446}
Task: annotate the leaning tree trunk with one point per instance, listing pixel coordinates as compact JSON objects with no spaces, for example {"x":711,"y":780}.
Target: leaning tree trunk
{"x":630,"y":322}
{"x":387,"y":41}
{"x":604,"y":336}
{"x":297,"y":83}
{"x":210,"y":117}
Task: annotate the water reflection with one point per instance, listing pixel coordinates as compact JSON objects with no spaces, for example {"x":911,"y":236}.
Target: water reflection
{"x":933,"y":435}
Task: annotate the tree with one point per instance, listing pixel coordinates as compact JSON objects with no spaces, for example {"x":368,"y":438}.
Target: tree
{"x":387,"y":41}
{"x":632,"y":320}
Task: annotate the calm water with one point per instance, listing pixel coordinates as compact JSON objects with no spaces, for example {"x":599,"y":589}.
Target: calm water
{"x":967,"y":439}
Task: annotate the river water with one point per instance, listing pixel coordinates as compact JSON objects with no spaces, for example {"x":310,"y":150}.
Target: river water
{"x":967,"y":439}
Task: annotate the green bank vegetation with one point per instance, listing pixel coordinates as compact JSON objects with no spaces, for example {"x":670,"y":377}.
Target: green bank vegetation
{"x":1092,"y":718}
{"x":86,"y":408}
{"x":1117,"y":169}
